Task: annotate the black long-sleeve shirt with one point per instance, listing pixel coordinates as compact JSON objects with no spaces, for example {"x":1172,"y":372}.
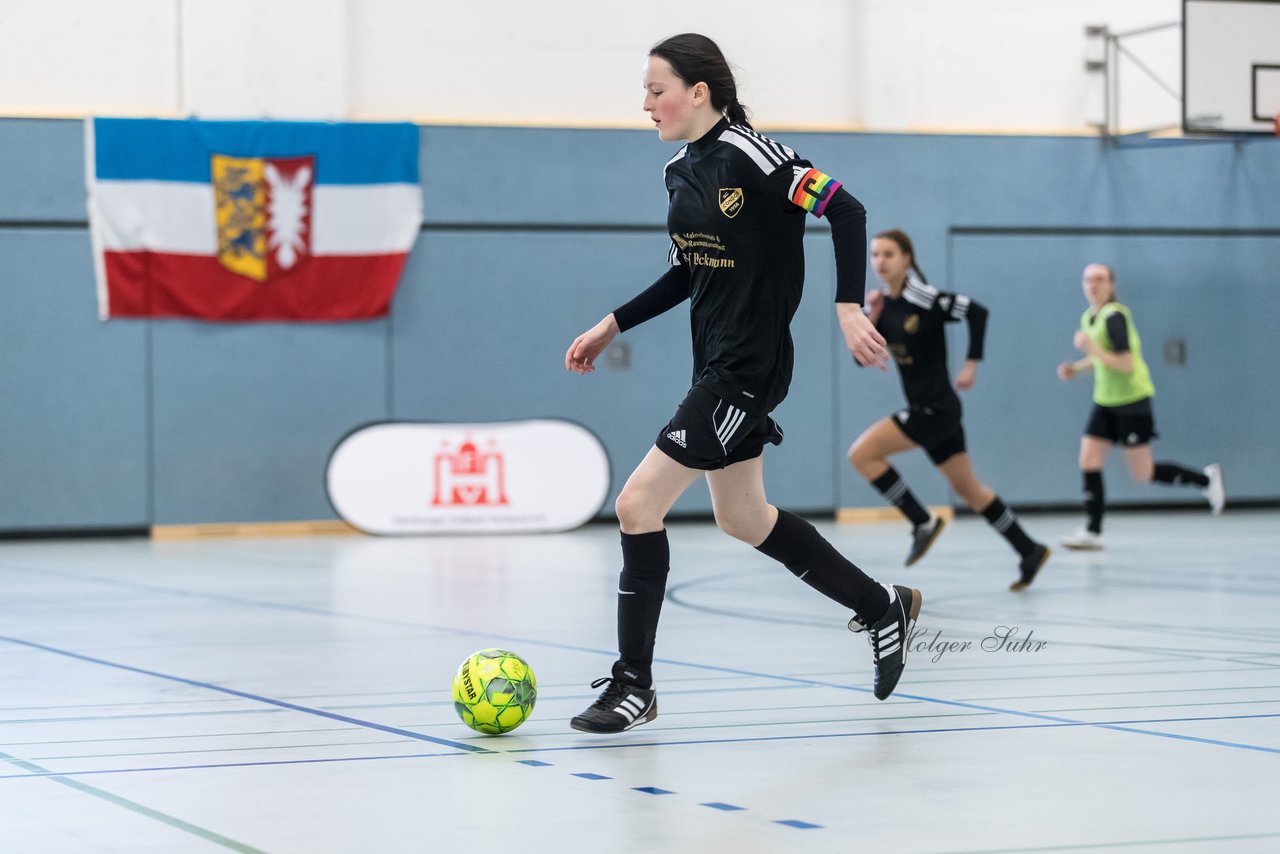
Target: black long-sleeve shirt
{"x":736,"y":219}
{"x":912,"y":326}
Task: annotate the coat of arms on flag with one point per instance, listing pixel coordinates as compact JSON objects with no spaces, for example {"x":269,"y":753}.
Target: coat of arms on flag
{"x":225,"y":220}
{"x":263,"y":207}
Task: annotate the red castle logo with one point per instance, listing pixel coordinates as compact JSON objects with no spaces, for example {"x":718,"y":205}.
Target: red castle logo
{"x":469,"y":477}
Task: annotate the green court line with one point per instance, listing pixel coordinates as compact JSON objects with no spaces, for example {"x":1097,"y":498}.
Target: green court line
{"x":179,"y":824}
{"x":1109,"y":845}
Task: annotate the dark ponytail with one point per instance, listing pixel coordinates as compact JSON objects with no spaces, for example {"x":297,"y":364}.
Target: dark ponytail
{"x":899,"y":237}
{"x":697,"y":59}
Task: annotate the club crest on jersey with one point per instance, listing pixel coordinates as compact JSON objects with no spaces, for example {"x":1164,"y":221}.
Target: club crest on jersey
{"x":263,"y":213}
{"x":912,"y":324}
{"x":731,"y":200}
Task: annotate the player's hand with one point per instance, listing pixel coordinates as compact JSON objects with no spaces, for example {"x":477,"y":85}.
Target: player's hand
{"x":860,"y":336}
{"x":1066,"y":371}
{"x":967,"y":375}
{"x":587,"y":347}
{"x":1082,"y":342}
{"x":875,"y":303}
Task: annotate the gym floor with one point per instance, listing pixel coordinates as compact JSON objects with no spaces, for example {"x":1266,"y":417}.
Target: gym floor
{"x":292,"y":695}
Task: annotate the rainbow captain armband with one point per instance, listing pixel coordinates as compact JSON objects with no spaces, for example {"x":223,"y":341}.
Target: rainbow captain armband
{"x":812,"y":189}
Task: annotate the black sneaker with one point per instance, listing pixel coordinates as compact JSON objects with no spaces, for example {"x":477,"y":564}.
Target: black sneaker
{"x":889,"y":636}
{"x":1030,"y":565}
{"x":621,"y":706}
{"x":922,"y":536}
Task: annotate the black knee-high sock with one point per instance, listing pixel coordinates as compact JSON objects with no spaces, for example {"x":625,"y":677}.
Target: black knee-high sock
{"x":798,"y":545}
{"x":1176,"y":475}
{"x":646,"y":560}
{"x":1094,"y":499}
{"x":894,"y":488}
{"x":1006,"y":524}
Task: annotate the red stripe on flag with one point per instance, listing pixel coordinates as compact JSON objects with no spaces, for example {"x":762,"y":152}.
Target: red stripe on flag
{"x":326,"y":287}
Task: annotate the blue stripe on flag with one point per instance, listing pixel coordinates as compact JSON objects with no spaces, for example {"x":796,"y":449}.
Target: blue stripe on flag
{"x":181,"y":149}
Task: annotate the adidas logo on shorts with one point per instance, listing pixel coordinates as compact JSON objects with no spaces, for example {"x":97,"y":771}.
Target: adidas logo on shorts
{"x":677,"y":436}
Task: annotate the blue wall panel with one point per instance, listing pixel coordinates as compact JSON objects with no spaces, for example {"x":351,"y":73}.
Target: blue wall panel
{"x":43,"y":173}
{"x":533,"y":234}
{"x":73,"y":416}
{"x":246,"y":415}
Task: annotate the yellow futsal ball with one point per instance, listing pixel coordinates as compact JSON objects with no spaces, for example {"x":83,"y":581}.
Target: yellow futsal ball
{"x":494,"y":691}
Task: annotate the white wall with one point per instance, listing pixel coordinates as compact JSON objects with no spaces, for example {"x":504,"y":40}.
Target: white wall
{"x":1002,"y":65}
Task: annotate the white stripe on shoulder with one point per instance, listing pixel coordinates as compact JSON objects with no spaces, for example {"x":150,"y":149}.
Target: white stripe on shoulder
{"x":960,"y":308}
{"x":782,"y":150}
{"x":764,"y":156}
{"x":918,"y":293}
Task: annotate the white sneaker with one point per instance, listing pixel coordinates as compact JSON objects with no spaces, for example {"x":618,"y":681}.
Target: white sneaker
{"x":1215,"y":492}
{"x":1084,"y":540}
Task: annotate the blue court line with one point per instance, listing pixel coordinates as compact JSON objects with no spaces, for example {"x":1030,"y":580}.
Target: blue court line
{"x":655,"y":790}
{"x":571,"y":647}
{"x":679,"y":743}
{"x":212,"y":713}
{"x":457,"y":745}
{"x":931,"y":731}
{"x":963,"y":705}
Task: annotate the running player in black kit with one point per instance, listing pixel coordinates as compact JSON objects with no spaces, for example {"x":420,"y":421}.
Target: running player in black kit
{"x":911,"y":317}
{"x":736,"y":217}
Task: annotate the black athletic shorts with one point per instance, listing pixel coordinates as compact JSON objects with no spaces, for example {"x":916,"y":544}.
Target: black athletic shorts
{"x":936,"y":429}
{"x":709,"y":433}
{"x":1130,"y":425}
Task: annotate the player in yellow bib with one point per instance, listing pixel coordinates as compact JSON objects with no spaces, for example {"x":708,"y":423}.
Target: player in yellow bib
{"x":1122,"y":415}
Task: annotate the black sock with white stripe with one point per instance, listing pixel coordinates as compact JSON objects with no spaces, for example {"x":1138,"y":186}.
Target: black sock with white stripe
{"x":798,"y":545}
{"x":1175,"y":475}
{"x":646,"y":560}
{"x":1006,"y":524}
{"x":1094,"y":499}
{"x":895,"y":490}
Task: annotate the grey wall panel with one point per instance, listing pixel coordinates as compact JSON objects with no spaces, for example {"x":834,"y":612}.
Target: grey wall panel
{"x":246,"y":415}
{"x":73,"y":390}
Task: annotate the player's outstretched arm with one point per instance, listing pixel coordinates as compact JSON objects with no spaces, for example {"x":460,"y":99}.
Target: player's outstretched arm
{"x":587,"y":347}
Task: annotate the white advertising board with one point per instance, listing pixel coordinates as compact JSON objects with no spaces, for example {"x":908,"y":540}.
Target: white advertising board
{"x":403,"y":477}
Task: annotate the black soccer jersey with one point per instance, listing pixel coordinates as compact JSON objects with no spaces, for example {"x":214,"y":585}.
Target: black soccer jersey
{"x":736,"y":219}
{"x":912,"y":326}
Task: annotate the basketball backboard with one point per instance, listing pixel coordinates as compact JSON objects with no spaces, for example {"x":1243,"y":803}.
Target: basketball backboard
{"x":1230,"y":66}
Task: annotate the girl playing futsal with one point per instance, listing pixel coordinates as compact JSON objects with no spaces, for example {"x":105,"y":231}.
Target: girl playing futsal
{"x":1122,"y":414}
{"x":910,"y":315}
{"x":736,"y":216}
